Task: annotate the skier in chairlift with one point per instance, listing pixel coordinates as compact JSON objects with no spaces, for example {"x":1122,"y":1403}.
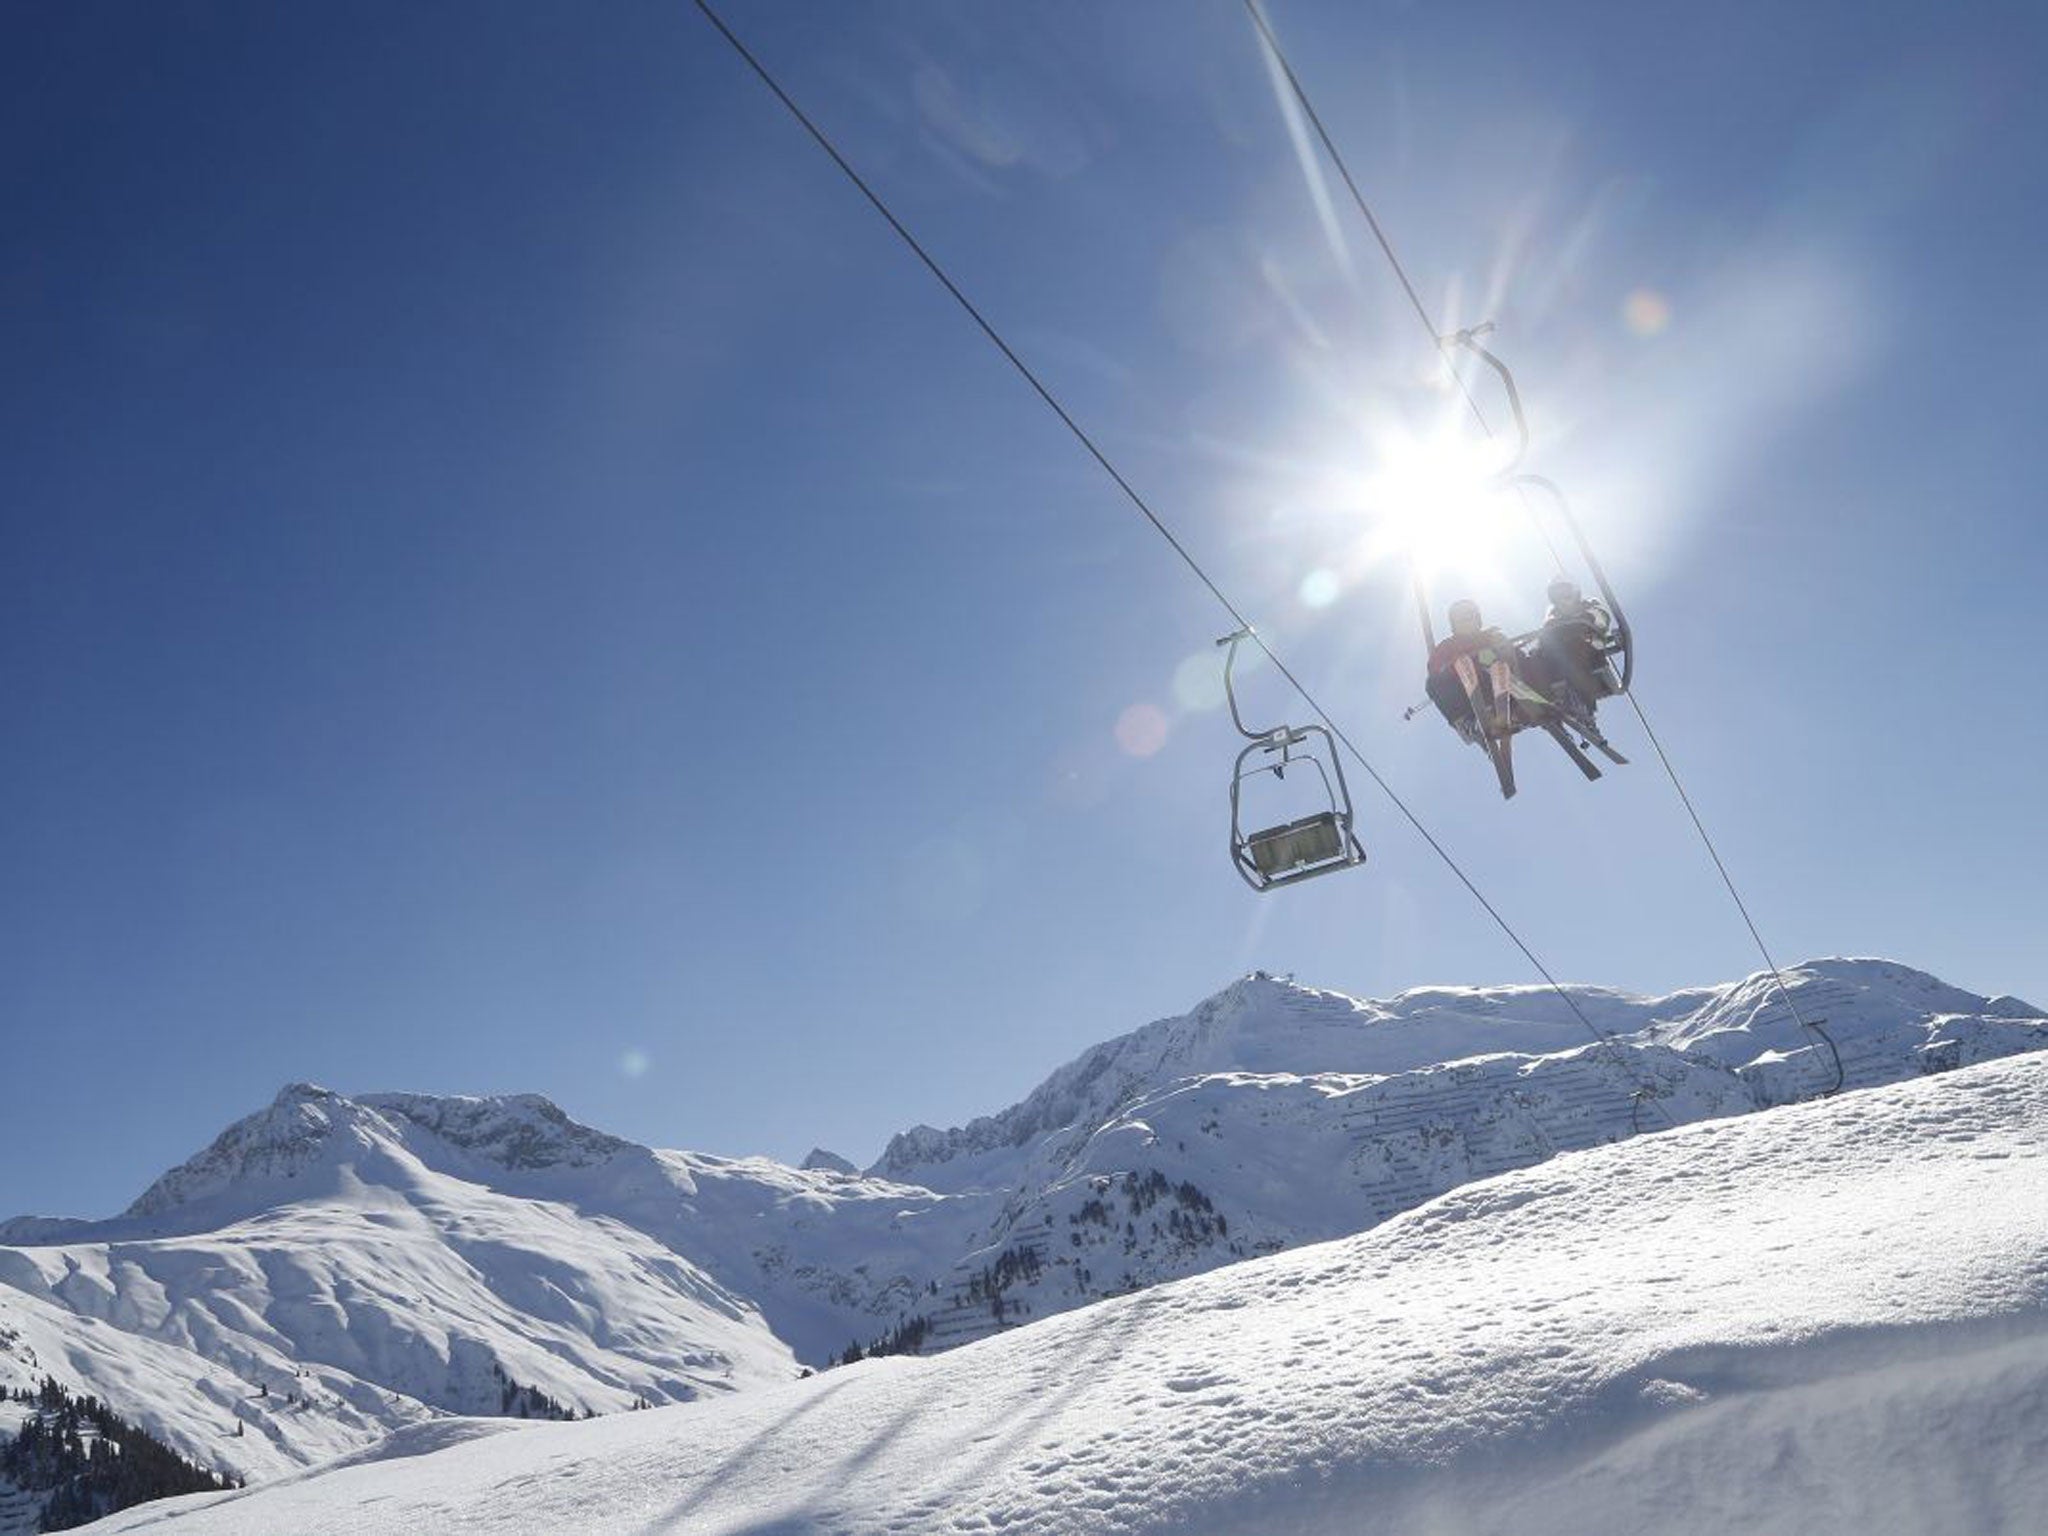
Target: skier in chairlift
{"x":1470,"y":636}
{"x":1571,"y":649}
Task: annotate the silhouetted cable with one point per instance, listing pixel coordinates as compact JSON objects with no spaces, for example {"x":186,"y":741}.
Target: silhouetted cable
{"x":1436,"y":337}
{"x":1379,"y":234}
{"x":994,"y":337}
{"x":1699,"y":826}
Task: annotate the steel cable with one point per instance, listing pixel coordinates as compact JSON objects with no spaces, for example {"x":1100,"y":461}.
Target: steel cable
{"x":988,"y":330}
{"x":1386,"y":246}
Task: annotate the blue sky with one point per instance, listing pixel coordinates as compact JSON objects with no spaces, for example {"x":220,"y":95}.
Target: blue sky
{"x":515,"y":581}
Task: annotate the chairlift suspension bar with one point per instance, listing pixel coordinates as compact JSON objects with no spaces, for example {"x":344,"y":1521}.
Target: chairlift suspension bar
{"x":1469,"y":340}
{"x":1422,"y":606}
{"x":1624,"y":635}
{"x":1230,"y":684}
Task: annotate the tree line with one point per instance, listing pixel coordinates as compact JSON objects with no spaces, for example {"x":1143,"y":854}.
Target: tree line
{"x":91,"y":1461}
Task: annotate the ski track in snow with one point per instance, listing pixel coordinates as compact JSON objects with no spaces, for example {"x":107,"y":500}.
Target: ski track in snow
{"x":1831,"y":1318}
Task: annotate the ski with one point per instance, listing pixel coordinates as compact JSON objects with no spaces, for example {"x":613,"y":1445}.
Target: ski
{"x":1563,"y":738}
{"x":1497,"y":749}
{"x":1502,"y":752}
{"x":1586,"y":728}
{"x":1600,"y":742}
{"x":1502,"y":675}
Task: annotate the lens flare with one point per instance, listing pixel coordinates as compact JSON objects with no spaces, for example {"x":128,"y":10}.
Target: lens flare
{"x":1198,"y":682}
{"x":1141,"y":729}
{"x":1647,"y":312}
{"x":1320,"y":587}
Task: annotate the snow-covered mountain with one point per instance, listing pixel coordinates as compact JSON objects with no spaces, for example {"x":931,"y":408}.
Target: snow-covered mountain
{"x":1826,"y":1321}
{"x":1274,"y":1114}
{"x":335,"y":1268}
{"x":329,"y":1269}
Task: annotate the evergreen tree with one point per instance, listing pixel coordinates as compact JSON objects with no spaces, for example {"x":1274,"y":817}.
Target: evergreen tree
{"x":86,"y":1478}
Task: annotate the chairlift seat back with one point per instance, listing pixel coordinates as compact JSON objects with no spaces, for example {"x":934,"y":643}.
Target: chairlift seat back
{"x":1312,"y":840}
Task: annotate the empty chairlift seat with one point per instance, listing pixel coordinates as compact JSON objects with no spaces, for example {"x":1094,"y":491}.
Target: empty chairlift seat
{"x":1313,"y":840}
{"x":1317,"y":843}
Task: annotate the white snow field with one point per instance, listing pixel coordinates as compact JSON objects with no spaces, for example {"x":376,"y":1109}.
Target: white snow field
{"x":335,"y":1268}
{"x":327,"y":1272}
{"x":1828,"y":1318}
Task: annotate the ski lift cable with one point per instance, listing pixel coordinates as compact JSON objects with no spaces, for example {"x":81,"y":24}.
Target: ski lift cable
{"x":1438,"y":339}
{"x":1386,"y":246}
{"x":1131,"y":494}
{"x":1813,"y":1026}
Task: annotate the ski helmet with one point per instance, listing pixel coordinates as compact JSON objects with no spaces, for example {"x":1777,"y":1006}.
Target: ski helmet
{"x":1465,"y":619}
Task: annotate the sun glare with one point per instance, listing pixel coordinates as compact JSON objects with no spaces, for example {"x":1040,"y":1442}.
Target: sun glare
{"x":1435,"y":502}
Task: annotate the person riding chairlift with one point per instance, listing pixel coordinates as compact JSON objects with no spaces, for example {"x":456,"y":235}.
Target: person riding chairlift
{"x":1470,"y":636}
{"x":1571,"y":648}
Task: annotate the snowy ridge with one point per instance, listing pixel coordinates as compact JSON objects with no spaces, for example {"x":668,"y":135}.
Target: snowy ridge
{"x":275,"y":1144}
{"x":378,"y":1260}
{"x":1257,"y":1024}
{"x":1275,"y":1114}
{"x":517,"y":1132}
{"x":329,"y":1269}
{"x":1832,"y":1319}
{"x":306,"y":1123}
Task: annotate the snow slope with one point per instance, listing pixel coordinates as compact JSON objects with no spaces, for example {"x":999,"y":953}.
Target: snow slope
{"x":1267,"y":1025}
{"x":332,"y":1269}
{"x":1833,"y":1318}
{"x":189,"y":1402}
{"x":1274,"y":1114}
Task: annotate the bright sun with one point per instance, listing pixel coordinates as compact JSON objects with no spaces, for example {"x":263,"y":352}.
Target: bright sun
{"x":1437,"y":502}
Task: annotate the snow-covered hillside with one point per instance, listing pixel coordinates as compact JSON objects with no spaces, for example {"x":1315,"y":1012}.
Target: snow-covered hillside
{"x":1274,"y":1114}
{"x":333,"y":1268}
{"x":1833,"y":1318}
{"x":329,"y":1269}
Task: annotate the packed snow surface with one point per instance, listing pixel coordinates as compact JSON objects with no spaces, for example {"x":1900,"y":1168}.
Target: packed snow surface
{"x":1831,"y":1318}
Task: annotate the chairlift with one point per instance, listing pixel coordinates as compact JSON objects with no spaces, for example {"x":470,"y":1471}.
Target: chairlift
{"x":1620,"y":651}
{"x":1501,"y":705}
{"x":1319,"y":843}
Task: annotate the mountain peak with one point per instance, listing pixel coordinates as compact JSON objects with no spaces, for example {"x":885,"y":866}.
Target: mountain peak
{"x":1256,"y":1023}
{"x":1264,"y":1023}
{"x":278,"y":1142}
{"x":520,"y":1131}
{"x":306,"y":1125}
